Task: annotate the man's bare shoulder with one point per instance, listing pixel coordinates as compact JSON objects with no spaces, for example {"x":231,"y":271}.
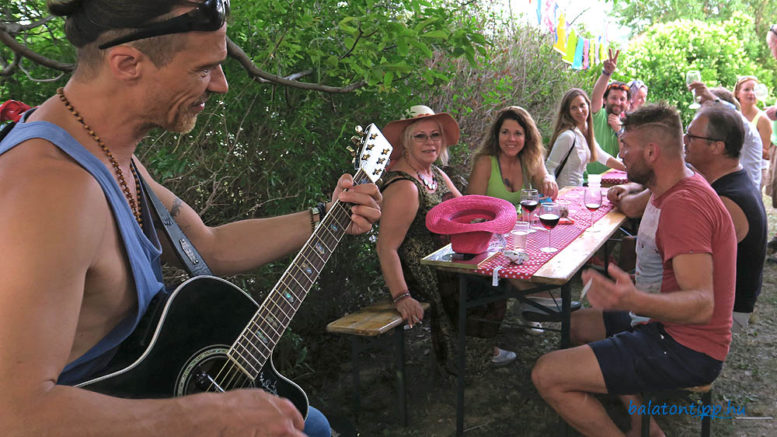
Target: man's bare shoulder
{"x":41,"y":185}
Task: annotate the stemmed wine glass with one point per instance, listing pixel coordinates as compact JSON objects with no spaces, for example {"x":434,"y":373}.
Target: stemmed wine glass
{"x":692,"y":76}
{"x":530,"y":198}
{"x":761,"y":91}
{"x":592,"y":200}
{"x":549,"y":217}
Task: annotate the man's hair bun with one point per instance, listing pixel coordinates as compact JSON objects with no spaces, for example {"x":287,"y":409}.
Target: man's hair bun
{"x":64,"y":8}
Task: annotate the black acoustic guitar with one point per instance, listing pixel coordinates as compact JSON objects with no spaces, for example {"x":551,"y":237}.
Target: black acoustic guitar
{"x":211,"y":336}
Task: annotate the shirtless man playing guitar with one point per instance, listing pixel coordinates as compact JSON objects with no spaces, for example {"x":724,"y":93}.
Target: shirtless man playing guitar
{"x":80,"y":265}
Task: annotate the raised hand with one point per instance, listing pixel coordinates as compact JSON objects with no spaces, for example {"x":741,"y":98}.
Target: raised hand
{"x":611,"y":63}
{"x":701,"y":91}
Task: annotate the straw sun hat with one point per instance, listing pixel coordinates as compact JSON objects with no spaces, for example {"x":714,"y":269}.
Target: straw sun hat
{"x":470,"y":221}
{"x":393,"y":131}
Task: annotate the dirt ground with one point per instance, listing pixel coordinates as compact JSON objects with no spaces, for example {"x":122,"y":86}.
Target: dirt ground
{"x":503,"y":401}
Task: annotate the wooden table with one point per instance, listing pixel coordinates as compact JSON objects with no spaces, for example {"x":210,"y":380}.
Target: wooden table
{"x":556,"y":273}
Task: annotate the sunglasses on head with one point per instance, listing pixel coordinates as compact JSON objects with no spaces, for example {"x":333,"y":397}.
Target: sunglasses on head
{"x":618,"y":86}
{"x":209,"y":15}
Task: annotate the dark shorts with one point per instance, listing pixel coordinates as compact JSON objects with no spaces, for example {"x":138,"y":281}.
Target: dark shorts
{"x":645,"y":357}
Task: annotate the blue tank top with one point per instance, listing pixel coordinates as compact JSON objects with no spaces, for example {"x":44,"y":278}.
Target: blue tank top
{"x":143,"y":250}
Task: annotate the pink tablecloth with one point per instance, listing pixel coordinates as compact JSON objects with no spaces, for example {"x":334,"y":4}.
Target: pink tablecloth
{"x":614,"y":177}
{"x":561,"y":236}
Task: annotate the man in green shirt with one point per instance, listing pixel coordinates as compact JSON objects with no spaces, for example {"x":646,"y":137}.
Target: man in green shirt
{"x":607,"y":120}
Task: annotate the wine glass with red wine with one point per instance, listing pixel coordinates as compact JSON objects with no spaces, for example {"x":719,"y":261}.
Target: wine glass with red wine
{"x":549,"y":217}
{"x":592,"y":200}
{"x":530,"y":198}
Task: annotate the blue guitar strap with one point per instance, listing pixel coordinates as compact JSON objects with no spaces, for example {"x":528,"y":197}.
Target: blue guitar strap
{"x":184,"y":249}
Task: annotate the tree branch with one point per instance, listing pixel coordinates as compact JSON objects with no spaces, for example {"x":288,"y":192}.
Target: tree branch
{"x":16,"y":28}
{"x":11,"y":68}
{"x":23,"y":50}
{"x":237,"y":53}
{"x":7,"y":30}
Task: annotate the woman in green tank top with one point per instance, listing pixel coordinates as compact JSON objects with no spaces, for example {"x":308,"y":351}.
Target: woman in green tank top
{"x":511,"y":157}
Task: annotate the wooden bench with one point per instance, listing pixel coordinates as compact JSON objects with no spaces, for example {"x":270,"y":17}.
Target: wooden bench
{"x":366,"y":325}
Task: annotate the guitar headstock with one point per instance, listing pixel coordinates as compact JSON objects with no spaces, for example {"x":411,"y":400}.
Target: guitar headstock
{"x":374,"y":152}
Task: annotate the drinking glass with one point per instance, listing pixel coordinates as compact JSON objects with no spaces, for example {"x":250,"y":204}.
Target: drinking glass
{"x":530,"y":198}
{"x":692,"y":76}
{"x":519,"y":234}
{"x":549,"y":217}
{"x":592,"y":200}
{"x":761,"y":91}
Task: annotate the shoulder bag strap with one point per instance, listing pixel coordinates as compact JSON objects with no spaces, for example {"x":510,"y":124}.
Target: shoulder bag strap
{"x":564,"y":161}
{"x":184,"y":249}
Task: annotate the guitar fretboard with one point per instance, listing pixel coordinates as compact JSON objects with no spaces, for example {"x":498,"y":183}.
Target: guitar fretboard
{"x":255,"y":344}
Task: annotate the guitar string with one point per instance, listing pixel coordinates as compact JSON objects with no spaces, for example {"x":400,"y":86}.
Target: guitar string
{"x":235,"y":370}
{"x":232,"y":369}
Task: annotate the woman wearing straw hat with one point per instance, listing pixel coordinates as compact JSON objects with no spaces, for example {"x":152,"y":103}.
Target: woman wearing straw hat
{"x":412,"y":187}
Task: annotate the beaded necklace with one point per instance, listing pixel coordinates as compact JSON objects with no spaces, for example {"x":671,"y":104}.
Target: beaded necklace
{"x":431,"y":186}
{"x":135,"y":206}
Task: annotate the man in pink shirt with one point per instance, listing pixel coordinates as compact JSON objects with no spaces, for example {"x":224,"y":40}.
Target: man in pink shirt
{"x":687,"y":338}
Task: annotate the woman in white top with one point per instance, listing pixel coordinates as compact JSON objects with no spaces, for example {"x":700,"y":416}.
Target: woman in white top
{"x":744,"y":92}
{"x":573,"y":141}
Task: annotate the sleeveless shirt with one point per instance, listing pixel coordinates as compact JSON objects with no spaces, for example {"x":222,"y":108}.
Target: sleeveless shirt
{"x":142,"y":250}
{"x":497,"y":188}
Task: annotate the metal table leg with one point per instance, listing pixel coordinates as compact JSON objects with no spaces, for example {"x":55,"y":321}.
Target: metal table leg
{"x":461,"y":358}
{"x":566,"y":313}
{"x":399,"y":344}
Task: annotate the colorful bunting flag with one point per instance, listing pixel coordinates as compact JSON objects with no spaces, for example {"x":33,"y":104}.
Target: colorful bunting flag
{"x":586,"y":47}
{"x":569,"y":56}
{"x":561,"y":35}
{"x":577,"y":63}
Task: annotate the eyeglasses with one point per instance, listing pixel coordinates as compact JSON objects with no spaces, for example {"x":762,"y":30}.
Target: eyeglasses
{"x":422,"y":138}
{"x":688,"y":137}
{"x":209,"y":15}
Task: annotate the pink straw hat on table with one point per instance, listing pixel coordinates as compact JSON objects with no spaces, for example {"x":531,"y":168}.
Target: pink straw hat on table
{"x":393,"y":130}
{"x":470,"y":221}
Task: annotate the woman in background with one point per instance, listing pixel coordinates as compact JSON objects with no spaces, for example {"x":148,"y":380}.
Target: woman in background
{"x":744,"y":92}
{"x":638,"y":91}
{"x":573,"y":141}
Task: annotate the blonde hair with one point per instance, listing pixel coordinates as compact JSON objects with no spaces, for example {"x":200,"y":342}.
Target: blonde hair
{"x":565,"y":122}
{"x":407,"y":139}
{"x":740,"y":82}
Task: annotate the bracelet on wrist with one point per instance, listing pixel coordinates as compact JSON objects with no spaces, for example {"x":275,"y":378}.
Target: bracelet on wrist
{"x":315,"y":219}
{"x":404,"y":295}
{"x":321,"y":206}
{"x":604,"y":72}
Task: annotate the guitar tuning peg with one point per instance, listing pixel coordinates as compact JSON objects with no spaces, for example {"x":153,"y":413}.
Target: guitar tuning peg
{"x":359,"y":130}
{"x":356,"y":140}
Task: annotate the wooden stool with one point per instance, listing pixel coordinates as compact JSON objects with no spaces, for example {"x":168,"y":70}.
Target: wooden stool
{"x":706,"y":399}
{"x":364,"y":326}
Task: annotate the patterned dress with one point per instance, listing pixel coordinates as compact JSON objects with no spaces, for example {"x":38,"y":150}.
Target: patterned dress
{"x":441,"y":289}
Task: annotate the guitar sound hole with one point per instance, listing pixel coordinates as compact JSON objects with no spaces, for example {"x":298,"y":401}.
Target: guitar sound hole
{"x":210,"y":370}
